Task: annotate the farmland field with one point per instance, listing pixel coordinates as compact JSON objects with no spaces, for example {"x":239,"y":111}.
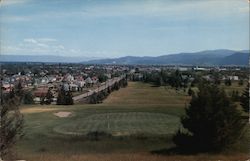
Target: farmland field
{"x":129,"y":125}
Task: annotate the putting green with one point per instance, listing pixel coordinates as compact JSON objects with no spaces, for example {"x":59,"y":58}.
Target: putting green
{"x":120,"y":124}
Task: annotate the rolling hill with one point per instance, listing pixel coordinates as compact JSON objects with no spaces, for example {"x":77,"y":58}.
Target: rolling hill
{"x":210,"y":57}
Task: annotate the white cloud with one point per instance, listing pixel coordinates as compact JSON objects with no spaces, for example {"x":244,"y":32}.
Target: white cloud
{"x":38,"y":46}
{"x":30,"y":40}
{"x":47,"y":40}
{"x":12,"y":2}
{"x":14,"y":18}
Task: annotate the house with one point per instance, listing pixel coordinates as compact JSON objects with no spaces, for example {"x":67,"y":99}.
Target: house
{"x":207,"y":77}
{"x":108,"y":75}
{"x":200,"y":69}
{"x":79,"y":78}
{"x":66,"y":87}
{"x":89,"y":80}
{"x":7,"y":87}
{"x":44,"y":80}
{"x":40,"y":93}
{"x":137,"y":77}
{"x":234,"y":78}
{"x":95,"y":80}
{"x":73,"y":87}
{"x":68,"y":78}
{"x":52,"y":79}
{"x":182,"y":69}
{"x":81,"y":83}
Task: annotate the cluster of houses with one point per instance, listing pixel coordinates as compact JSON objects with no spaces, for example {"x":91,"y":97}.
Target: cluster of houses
{"x":74,"y":79}
{"x":80,"y":78}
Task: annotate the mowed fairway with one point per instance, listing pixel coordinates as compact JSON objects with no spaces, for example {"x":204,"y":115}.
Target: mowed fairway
{"x":133,"y":122}
{"x":145,"y":94}
{"x":122,"y":124}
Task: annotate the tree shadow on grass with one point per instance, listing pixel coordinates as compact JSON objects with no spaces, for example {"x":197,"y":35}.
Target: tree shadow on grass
{"x":155,"y":86}
{"x":176,"y":151}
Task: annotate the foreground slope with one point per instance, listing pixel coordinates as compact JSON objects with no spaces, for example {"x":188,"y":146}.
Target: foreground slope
{"x":49,"y":137}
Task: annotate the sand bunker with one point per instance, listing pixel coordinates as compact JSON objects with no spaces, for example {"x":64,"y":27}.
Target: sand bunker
{"x":62,"y":114}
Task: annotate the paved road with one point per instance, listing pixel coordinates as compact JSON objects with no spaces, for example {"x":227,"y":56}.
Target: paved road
{"x":103,"y":86}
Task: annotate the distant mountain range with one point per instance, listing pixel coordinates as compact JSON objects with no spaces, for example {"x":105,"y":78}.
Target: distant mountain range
{"x":44,"y":58}
{"x":209,"y":57}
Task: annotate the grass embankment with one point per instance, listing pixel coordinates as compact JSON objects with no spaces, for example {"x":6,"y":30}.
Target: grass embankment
{"x":134,"y":120}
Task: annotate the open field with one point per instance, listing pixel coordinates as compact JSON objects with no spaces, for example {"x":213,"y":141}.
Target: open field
{"x":132,"y":122}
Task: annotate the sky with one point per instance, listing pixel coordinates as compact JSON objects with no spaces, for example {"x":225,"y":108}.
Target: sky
{"x":115,"y":28}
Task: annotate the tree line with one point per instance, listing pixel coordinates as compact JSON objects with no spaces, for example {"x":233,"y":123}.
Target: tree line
{"x":100,"y":96}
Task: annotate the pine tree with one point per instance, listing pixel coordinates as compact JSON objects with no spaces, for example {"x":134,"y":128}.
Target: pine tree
{"x":190,"y":92}
{"x":235,"y":96}
{"x":49,"y":97}
{"x":65,"y":98}
{"x":69,"y":98}
{"x":241,"y":82}
{"x":19,"y":89}
{"x":228,"y":82}
{"x":28,"y":98}
{"x":93,"y":98}
{"x":61,"y":97}
{"x":211,"y":122}
{"x":245,"y":99}
{"x":11,"y":122}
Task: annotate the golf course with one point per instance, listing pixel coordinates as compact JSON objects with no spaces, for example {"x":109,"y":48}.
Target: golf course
{"x":133,"y":123}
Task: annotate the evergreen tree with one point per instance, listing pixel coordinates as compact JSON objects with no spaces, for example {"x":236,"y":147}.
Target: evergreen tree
{"x":235,"y":96}
{"x":93,"y":98}
{"x":244,"y":100}
{"x":211,"y":122}
{"x":190,"y":92}
{"x":116,"y":86}
{"x":228,"y":82}
{"x":241,"y":82}
{"x":60,"y":97}
{"x":65,"y":97}
{"x":49,"y":97}
{"x":19,"y":89}
{"x":69,"y":98}
{"x":175,"y":80}
{"x":11,"y":122}
{"x":28,"y":98}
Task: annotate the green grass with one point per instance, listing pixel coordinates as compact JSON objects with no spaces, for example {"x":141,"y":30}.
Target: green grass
{"x":234,"y":87}
{"x":121,"y":124}
{"x":140,"y":118}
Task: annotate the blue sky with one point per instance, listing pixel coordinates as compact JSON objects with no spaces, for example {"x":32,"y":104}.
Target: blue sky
{"x":114,"y":28}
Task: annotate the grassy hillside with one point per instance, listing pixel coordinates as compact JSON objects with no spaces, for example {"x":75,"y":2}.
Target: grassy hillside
{"x":131,"y":122}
